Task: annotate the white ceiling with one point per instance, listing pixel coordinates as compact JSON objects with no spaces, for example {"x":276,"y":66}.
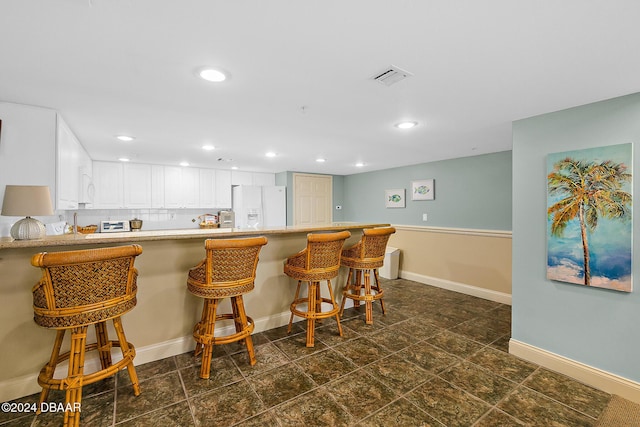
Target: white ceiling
{"x":129,"y":67}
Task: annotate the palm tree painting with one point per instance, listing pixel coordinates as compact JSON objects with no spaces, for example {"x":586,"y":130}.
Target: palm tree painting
{"x":589,"y":217}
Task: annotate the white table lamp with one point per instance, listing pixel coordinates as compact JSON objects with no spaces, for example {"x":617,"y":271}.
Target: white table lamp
{"x":27,"y":200}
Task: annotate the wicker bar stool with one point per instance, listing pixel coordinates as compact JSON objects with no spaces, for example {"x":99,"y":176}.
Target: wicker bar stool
{"x":78,"y":289}
{"x":228,"y":271}
{"x":320,"y":261}
{"x":365,"y":256}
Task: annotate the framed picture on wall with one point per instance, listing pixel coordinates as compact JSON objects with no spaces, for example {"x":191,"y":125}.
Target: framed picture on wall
{"x":423,"y":190}
{"x":589,"y":217}
{"x":394,"y":198}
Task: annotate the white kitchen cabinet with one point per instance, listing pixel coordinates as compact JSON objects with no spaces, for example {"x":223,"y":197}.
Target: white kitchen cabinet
{"x":241,"y":178}
{"x":262,"y":178}
{"x":191,"y":187}
{"x":223,"y":189}
{"x":68,"y":153}
{"x":27,"y":149}
{"x":137,"y":185}
{"x":157,"y":186}
{"x":109,"y":185}
{"x":207,"y":188}
{"x":172,"y":187}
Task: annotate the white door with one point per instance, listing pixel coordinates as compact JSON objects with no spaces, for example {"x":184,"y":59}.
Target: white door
{"x":312,"y":199}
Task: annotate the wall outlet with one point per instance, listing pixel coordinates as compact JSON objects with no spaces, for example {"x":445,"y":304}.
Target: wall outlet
{"x":424,"y":216}
{"x":338,"y":207}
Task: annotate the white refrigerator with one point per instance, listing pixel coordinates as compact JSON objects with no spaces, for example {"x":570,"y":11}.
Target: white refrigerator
{"x":258,"y":206}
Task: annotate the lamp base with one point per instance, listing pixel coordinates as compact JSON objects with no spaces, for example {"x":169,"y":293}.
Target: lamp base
{"x":28,"y":229}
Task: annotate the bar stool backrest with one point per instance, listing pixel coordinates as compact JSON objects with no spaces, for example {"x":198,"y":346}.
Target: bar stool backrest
{"x":232,"y":260}
{"x":370,"y":250}
{"x":320,"y":260}
{"x":85,"y":286}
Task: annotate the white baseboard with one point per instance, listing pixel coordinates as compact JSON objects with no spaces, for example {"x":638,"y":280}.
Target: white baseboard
{"x":589,"y":375}
{"x":23,"y":386}
{"x":463,"y":288}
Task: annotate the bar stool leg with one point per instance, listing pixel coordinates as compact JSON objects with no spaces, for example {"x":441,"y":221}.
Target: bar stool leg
{"x":357,"y":287}
{"x":311,"y":308}
{"x":210,"y":306}
{"x":50,"y":367}
{"x":368,"y":298}
{"x":346,"y":291}
{"x":104,"y":345}
{"x":238,"y":303}
{"x":335,"y":305}
{"x":73,"y":382}
{"x":379,"y":289}
{"x":127,"y":352}
{"x":294,"y":299}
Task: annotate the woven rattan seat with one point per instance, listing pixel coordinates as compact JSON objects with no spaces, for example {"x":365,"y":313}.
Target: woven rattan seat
{"x":228,"y":271}
{"x":78,"y":289}
{"x":320,"y":261}
{"x":365,"y":256}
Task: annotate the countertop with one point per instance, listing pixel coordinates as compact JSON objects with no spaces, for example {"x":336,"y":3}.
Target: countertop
{"x":197,"y":233}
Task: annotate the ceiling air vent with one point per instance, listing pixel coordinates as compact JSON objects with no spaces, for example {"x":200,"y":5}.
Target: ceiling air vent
{"x":391,"y":75}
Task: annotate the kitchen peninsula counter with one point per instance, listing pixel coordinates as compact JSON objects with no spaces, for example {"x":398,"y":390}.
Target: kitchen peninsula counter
{"x":162,"y":322}
{"x":187,"y":233}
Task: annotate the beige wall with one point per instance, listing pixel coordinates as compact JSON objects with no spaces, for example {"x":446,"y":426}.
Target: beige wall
{"x":476,"y":258}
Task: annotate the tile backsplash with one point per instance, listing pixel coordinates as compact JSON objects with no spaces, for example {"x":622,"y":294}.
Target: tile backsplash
{"x":152,"y":219}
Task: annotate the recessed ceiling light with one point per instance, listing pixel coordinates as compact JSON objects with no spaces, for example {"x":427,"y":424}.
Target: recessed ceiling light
{"x":321,"y":160}
{"x":270,"y":154}
{"x":184,"y":163}
{"x":359,"y":164}
{"x":406,"y":125}
{"x":234,"y":168}
{"x":208,"y":147}
{"x":212,"y":75}
{"x":123,"y":159}
{"x":125,"y":138}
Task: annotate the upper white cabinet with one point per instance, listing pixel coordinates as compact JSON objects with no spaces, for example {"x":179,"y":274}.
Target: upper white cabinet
{"x":207,"y":188}
{"x":71,"y":163}
{"x":172,"y":187}
{"x":252,"y":178}
{"x":223,"y":189}
{"x":137,"y":185}
{"x":191,"y":188}
{"x":109,"y":183}
{"x":261,"y":178}
{"x":157,"y":186}
{"x":28,"y":148}
{"x":241,"y":178}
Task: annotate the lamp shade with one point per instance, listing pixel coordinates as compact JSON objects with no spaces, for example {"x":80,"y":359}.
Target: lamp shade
{"x":26,"y":200}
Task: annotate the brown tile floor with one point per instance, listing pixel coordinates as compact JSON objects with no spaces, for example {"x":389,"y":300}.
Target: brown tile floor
{"x":437,"y":358}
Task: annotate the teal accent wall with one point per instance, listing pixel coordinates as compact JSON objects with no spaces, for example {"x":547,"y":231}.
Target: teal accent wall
{"x":594,"y":326}
{"x":470,"y":192}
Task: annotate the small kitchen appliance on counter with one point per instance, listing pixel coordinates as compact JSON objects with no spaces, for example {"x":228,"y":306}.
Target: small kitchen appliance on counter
{"x":114,"y":226}
{"x":136,"y":224}
{"x":226,"y":219}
